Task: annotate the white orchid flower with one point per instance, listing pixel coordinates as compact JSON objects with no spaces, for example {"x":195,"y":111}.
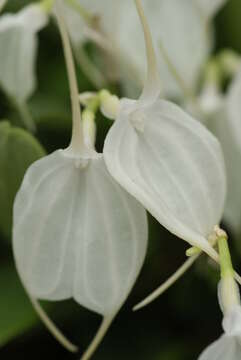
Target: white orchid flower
{"x":18,"y":38}
{"x":77,"y":233}
{"x":168,"y":161}
{"x":228,"y":346}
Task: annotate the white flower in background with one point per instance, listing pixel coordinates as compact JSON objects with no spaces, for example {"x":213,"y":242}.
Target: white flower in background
{"x":221,"y":114}
{"x":19,"y":41}
{"x":233,"y":104}
{"x":117,"y":31}
{"x":168,"y":161}
{"x":76,"y":232}
{"x":228,"y":346}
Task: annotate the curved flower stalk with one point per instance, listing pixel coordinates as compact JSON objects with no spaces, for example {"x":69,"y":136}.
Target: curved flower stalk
{"x":18,"y":38}
{"x":228,"y":346}
{"x":168,"y":161}
{"x":77,"y":233}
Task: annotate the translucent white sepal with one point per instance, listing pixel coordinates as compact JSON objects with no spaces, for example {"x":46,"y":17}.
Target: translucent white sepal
{"x":172,"y":165}
{"x":77,"y":233}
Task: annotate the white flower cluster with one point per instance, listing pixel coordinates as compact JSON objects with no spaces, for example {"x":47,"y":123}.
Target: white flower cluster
{"x":90,"y":243}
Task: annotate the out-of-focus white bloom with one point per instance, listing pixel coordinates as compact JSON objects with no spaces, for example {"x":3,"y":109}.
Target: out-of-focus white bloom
{"x":18,"y":44}
{"x":220,"y":126}
{"x":168,"y":160}
{"x":117,"y":31}
{"x":225,"y":124}
{"x":210,"y":8}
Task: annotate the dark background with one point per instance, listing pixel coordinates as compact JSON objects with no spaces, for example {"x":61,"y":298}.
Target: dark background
{"x":179,"y":324}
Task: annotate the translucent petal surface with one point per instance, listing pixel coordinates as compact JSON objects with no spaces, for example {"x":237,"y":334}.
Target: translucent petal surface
{"x":172,"y":165}
{"x":210,"y":8}
{"x":77,"y":233}
{"x":18,"y":39}
{"x":226,"y":348}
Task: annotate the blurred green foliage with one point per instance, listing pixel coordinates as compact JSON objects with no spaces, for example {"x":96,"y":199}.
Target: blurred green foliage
{"x":175,"y":327}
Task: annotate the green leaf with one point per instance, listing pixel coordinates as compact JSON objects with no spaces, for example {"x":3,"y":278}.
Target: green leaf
{"x":18,"y":150}
{"x":16,"y":313}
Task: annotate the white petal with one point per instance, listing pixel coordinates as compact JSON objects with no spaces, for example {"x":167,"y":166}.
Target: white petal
{"x":77,"y":233}
{"x":226,"y":348}
{"x":17,"y":61}
{"x":172,"y":165}
{"x":210,"y":8}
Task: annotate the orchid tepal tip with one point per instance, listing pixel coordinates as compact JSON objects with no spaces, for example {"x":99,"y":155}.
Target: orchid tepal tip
{"x":152,"y":88}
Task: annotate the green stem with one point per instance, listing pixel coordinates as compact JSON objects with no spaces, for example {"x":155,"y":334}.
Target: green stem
{"x":225,"y":258}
